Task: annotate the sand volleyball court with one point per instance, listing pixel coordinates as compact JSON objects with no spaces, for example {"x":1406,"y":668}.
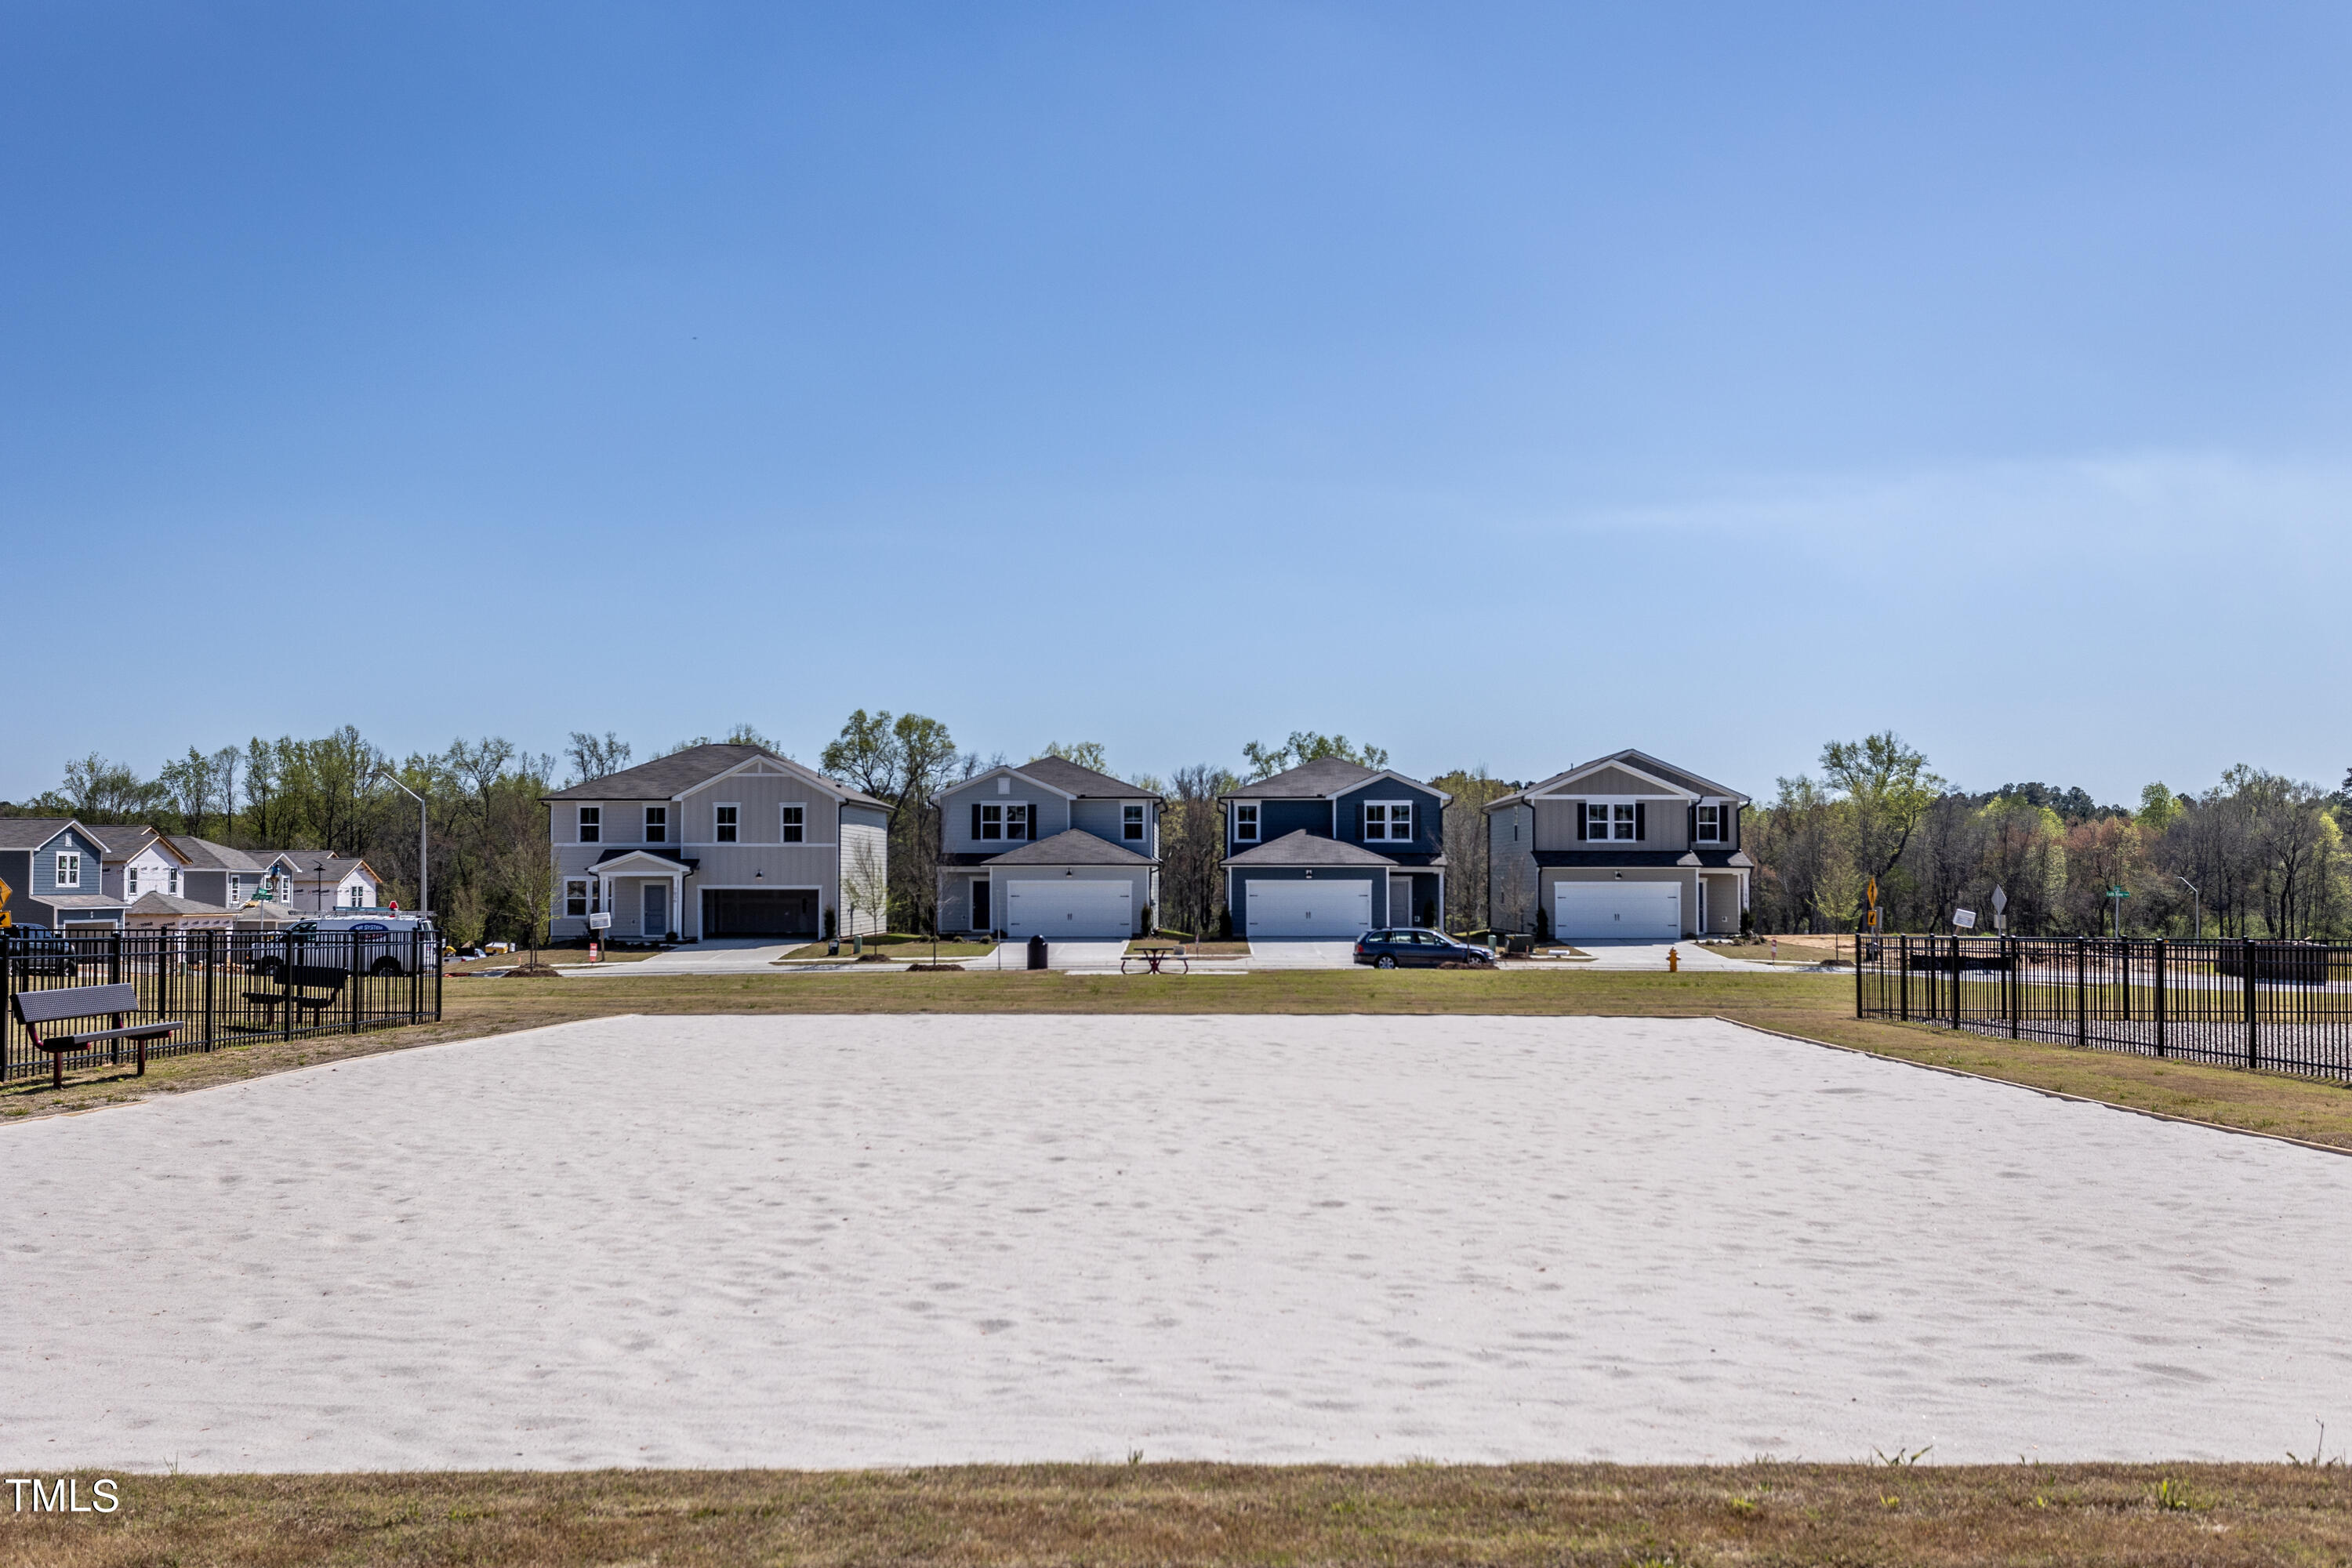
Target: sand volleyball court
{"x":890,"y":1240}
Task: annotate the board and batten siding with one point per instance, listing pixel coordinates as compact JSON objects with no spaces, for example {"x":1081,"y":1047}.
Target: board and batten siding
{"x":761,"y":798}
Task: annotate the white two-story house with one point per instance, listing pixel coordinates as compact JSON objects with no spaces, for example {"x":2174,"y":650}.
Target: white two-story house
{"x":718,"y":841}
{"x":1050,"y":850}
{"x":1624,"y":847}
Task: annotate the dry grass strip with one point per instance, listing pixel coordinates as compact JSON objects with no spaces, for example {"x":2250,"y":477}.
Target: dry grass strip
{"x":1763,"y":1513}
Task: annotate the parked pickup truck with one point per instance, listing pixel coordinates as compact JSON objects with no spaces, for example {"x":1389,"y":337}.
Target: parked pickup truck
{"x":385,"y":943}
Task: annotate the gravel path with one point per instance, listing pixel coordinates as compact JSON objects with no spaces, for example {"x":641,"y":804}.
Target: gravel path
{"x":868,"y":1240}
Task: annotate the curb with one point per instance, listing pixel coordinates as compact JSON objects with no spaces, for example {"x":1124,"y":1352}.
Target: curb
{"x":2030,"y":1089}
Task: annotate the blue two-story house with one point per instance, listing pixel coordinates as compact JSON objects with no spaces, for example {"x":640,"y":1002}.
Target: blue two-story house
{"x":55,"y":868}
{"x":1050,"y":850}
{"x":1333,"y":849}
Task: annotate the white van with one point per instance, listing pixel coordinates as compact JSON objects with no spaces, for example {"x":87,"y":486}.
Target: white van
{"x":385,"y":939}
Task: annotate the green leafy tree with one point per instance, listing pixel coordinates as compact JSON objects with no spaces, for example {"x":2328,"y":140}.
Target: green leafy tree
{"x":1308,"y":746}
{"x":1889,"y":788}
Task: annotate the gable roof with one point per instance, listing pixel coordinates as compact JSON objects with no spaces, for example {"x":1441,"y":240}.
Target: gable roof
{"x":170,"y":904}
{"x":1301,"y":847}
{"x":1072,"y":846}
{"x":1322,"y":779}
{"x":667,"y":778}
{"x":1061,"y":773}
{"x":32,"y":832}
{"x":204,"y":854}
{"x":121,"y":840}
{"x":1675,"y":778}
{"x":313,"y":864}
{"x":1312,"y":781}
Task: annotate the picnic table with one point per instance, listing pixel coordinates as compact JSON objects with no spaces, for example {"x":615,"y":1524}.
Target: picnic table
{"x":1154,"y":955}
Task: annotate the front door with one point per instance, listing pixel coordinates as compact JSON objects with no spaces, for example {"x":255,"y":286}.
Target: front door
{"x":656,"y":921}
{"x":981,"y":918}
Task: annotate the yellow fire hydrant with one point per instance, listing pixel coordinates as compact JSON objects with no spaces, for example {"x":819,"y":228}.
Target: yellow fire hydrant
{"x":1674,"y":960}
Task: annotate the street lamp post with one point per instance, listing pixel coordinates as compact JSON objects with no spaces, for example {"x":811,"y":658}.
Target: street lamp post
{"x":2196,"y":904}
{"x":424,"y":871}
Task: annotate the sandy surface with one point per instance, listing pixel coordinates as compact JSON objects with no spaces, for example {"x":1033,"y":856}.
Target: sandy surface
{"x":844,"y":1241}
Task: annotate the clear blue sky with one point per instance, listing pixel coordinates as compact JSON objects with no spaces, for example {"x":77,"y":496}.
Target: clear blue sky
{"x":1502,"y":385}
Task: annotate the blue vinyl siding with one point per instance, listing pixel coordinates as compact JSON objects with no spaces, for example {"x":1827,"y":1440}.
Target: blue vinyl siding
{"x":1277,"y":817}
{"x":1428,"y":820}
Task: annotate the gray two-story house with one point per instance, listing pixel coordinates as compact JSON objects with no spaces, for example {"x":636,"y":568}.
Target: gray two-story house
{"x":1333,"y":849}
{"x":56,"y":869}
{"x":1050,"y":850}
{"x":1624,"y":848}
{"x":718,"y":840}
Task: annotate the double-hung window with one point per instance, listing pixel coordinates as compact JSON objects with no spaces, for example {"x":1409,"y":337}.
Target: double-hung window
{"x":1244,"y":823}
{"x":236,"y":888}
{"x":1004,"y":821}
{"x":171,"y":881}
{"x":722,"y":824}
{"x":575,"y":898}
{"x":656,"y":824}
{"x":1131,"y":823}
{"x":591,"y":823}
{"x":792,"y":825}
{"x":1609,"y":820}
{"x":1710,"y":825}
{"x":68,"y":869}
{"x":1387,"y":820}
{"x":131,"y":883}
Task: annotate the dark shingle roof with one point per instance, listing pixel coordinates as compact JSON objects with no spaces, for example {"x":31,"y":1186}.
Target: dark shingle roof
{"x":167,"y":904}
{"x":120,"y":840}
{"x":1304,"y":849}
{"x":204,"y":855}
{"x":1324,"y":776}
{"x":32,"y":832}
{"x":1074,"y":846}
{"x":1084,"y":782}
{"x":681,"y":771}
{"x":1681,"y":778}
{"x":1610,"y":860}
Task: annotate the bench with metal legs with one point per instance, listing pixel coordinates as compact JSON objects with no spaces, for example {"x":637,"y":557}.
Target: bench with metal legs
{"x":66,"y":1002}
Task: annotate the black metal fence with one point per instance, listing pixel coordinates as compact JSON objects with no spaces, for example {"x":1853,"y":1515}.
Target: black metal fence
{"x":224,"y":988}
{"x":2277,"y":1006}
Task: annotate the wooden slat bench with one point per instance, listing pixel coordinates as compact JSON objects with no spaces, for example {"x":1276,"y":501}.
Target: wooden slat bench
{"x":34,"y":1008}
{"x":307,"y":985}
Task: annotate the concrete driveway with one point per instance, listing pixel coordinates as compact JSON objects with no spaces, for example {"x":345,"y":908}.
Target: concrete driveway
{"x":1090,"y":955}
{"x":1301,"y":952}
{"x":723,"y":955}
{"x":1652,"y":955}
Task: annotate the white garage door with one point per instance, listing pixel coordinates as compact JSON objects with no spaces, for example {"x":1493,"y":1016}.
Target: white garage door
{"x":1635,"y":911}
{"x":1066,"y":909}
{"x":1310,"y":909}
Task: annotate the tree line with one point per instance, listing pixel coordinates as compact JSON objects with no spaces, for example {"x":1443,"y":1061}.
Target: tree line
{"x":2254,"y":855}
{"x":488,"y":850}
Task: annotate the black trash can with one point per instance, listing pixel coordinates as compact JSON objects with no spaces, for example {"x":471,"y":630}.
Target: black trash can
{"x":1036,"y":952}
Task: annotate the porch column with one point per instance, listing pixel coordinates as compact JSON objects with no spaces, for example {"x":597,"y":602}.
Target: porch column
{"x":677,"y":902}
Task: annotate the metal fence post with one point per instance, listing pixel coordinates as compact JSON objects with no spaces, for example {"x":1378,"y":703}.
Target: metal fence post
{"x":2246,"y":958}
{"x":2082,"y":994}
{"x":1903,"y":980}
{"x":1956,"y":982}
{"x":114,"y":966}
{"x":212,"y":962}
{"x":1857,"y":974}
{"x":286,"y":976}
{"x":2012,"y":982}
{"x":2163,"y":1003}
